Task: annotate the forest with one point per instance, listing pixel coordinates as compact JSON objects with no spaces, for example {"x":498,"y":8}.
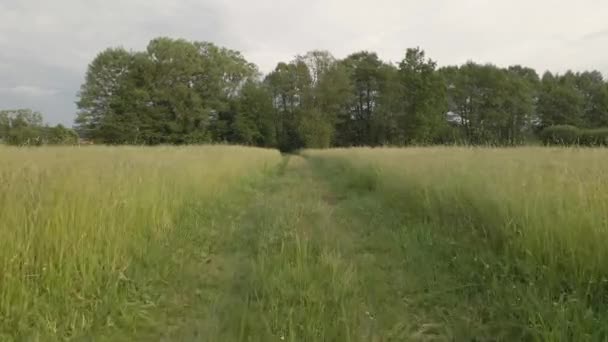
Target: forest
{"x":182,"y":92}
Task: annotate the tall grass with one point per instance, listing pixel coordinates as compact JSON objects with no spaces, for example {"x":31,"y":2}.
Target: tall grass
{"x":353,"y":244}
{"x":79,"y":227}
{"x":526,"y":227}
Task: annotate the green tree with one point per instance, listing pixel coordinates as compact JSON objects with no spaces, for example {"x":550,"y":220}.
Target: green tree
{"x":180,"y":113}
{"x":318,"y":63}
{"x":99,"y":94}
{"x":560,"y":102}
{"x":60,"y":135}
{"x":5,"y":125}
{"x":175,"y":92}
{"x":494,"y":105}
{"x":463,"y":94}
{"x":255,"y":123}
{"x":22,"y":127}
{"x":595,"y":93}
{"x":367,"y":78}
{"x":424,"y":98}
{"x":181,"y":92}
{"x":310,"y":95}
{"x":328,"y":99}
{"x":314,"y":130}
{"x":333,"y":99}
{"x":386,"y":126}
{"x":225,"y":73}
{"x":291,"y":87}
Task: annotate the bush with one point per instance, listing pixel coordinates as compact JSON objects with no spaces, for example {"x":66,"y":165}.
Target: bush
{"x":560,"y":135}
{"x":570,"y":135}
{"x":25,"y":136}
{"x":60,"y":135}
{"x":450,"y":135}
{"x":594,"y":137}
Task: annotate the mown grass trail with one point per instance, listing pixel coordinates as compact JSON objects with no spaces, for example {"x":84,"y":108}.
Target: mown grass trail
{"x":328,"y":254}
{"x":303,"y":262}
{"x":286,"y":271}
{"x":313,"y":257}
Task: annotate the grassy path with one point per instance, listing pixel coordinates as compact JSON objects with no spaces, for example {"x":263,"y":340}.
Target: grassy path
{"x":313,"y":261}
{"x":296,"y":263}
{"x":310,"y":256}
{"x":305,"y":273}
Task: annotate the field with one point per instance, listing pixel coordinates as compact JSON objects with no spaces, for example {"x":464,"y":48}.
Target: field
{"x":242,"y":244}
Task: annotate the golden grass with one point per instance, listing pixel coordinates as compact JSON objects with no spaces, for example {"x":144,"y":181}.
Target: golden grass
{"x":547,"y":205}
{"x":73,"y":220}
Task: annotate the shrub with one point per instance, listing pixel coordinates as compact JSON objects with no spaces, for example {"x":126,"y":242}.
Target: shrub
{"x":594,"y":137}
{"x":450,"y":135}
{"x":560,"y":135}
{"x":60,"y":135}
{"x":25,"y":136}
{"x":570,"y":135}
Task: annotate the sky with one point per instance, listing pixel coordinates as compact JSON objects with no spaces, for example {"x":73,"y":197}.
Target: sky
{"x":45,"y":46}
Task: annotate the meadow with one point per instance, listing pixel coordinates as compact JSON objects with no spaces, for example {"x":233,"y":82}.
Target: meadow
{"x":225,"y":243}
{"x":509,"y":242}
{"x":87,"y":232}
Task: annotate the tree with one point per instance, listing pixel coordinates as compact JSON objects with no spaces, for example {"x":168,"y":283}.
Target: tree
{"x":26,"y":127}
{"x":314,"y":130}
{"x":463,"y":97}
{"x":424,"y":98}
{"x":494,"y":105}
{"x":528,"y":74}
{"x":595,"y":93}
{"x":179,"y":111}
{"x":367,"y":77}
{"x":60,"y":135}
{"x":225,"y":73}
{"x":21,"y":127}
{"x":328,"y":99}
{"x":182,"y":92}
{"x":255,"y":123}
{"x":309,"y":94}
{"x":174,"y":92}
{"x":560,"y":102}
{"x":530,"y":84}
{"x":597,"y":115}
{"x":318,"y":64}
{"x":5,"y":125}
{"x":291,"y":89}
{"x":519,"y":105}
{"x":99,"y":94}
{"x":333,"y":99}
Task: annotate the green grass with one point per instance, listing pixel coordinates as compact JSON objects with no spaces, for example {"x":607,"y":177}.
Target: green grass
{"x":497,"y":243}
{"x":237,"y":244}
{"x":90,"y":234}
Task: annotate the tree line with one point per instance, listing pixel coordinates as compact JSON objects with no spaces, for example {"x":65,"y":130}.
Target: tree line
{"x":26,"y":127}
{"x":182,"y":92}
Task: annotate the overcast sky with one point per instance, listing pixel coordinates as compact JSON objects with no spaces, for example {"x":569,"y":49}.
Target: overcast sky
{"x":45,"y":45}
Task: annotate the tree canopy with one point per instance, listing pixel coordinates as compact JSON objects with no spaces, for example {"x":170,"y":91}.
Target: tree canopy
{"x":26,"y":127}
{"x":181,"y":92}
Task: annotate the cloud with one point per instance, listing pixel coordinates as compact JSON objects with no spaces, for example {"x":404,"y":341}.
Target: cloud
{"x":603,"y":34}
{"x":29,"y":90}
{"x":45,"y":46}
